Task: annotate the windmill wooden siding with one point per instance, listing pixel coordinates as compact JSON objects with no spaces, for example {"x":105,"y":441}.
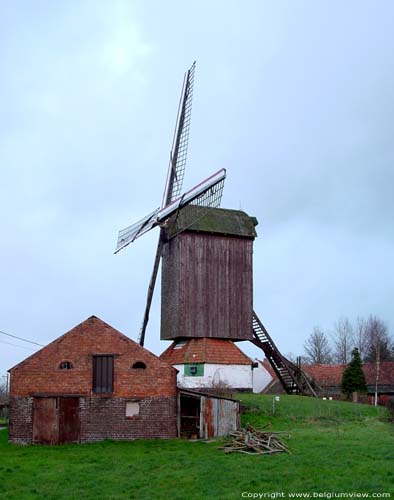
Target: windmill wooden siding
{"x":207,"y":281}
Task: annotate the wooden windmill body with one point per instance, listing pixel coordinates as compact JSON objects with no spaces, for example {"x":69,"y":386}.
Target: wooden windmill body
{"x":207,"y":278}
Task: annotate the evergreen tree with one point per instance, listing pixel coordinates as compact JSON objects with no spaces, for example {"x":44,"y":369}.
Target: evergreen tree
{"x":353,"y":379}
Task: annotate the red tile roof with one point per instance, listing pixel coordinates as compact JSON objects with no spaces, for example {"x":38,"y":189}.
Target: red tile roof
{"x":331,"y":375}
{"x":205,"y":350}
{"x":325,"y":375}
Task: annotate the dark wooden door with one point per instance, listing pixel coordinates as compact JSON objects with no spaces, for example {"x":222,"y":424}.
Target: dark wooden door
{"x":68,"y":420}
{"x":45,"y":427}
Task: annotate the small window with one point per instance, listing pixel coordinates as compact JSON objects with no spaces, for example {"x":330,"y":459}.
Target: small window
{"x":132,"y":409}
{"x":195,"y":370}
{"x":180,"y":344}
{"x":103,"y":374}
{"x":65,"y":365}
{"x":139,"y":365}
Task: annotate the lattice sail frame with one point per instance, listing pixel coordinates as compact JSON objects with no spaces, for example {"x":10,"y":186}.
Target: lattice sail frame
{"x":205,"y":195}
{"x":178,"y":156}
{"x":131,"y":233}
{"x":196,"y":210}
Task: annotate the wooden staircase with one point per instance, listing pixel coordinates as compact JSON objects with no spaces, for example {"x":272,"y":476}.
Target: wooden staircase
{"x":293,"y":379}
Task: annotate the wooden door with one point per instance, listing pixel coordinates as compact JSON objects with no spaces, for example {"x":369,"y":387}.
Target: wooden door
{"x":45,"y":426}
{"x":68,"y":420}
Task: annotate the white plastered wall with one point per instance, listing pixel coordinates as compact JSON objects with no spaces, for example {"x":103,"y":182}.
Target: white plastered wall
{"x":234,"y":376}
{"x":261,"y":378}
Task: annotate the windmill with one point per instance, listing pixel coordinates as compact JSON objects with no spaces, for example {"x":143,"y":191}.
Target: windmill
{"x":206,"y":255}
{"x":206,"y":194}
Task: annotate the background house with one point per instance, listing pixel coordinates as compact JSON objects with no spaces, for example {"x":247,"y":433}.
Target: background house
{"x":329,"y":378}
{"x":263,"y":374}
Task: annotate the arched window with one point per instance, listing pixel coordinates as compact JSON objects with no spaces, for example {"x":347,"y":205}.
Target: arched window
{"x":139,"y":365}
{"x":65,"y":365}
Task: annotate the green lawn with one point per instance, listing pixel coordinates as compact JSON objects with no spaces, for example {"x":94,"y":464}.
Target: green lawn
{"x":336,"y":447}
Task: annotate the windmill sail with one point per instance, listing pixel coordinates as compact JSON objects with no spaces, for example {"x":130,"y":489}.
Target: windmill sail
{"x":131,"y":233}
{"x":196,"y":209}
{"x":207,"y":192}
{"x":178,"y":156}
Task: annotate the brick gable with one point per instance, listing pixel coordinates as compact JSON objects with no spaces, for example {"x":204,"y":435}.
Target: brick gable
{"x":40,"y":373}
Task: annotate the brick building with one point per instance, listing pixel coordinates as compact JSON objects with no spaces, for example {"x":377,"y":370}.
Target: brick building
{"x":90,"y":384}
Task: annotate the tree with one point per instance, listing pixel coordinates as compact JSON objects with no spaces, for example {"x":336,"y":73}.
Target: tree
{"x":3,"y":388}
{"x":353,"y":379}
{"x":378,"y":346}
{"x":360,"y":336}
{"x":377,"y":341}
{"x":317,"y":348}
{"x":343,"y":340}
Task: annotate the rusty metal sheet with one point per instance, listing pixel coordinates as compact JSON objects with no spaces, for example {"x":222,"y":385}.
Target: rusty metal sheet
{"x":209,"y":418}
{"x":227,"y":417}
{"x":219,"y":417}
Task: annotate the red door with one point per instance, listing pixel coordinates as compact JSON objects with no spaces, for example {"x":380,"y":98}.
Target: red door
{"x":45,"y":428}
{"x":68,"y":420}
{"x":55,"y":420}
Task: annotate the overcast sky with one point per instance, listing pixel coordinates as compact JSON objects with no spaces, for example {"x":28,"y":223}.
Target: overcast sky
{"x":294,"y":98}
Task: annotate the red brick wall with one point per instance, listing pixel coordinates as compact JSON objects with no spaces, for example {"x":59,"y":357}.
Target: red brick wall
{"x":104,"y":418}
{"x":21,"y":424}
{"x":40,"y":373}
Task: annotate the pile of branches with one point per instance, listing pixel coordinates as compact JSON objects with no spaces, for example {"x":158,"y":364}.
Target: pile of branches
{"x":255,"y":442}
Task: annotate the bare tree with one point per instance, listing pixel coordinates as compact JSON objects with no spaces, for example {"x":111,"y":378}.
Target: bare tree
{"x":343,"y":340}
{"x":377,"y":341}
{"x":360,"y":336}
{"x":3,"y":388}
{"x":317,"y":347}
{"x":378,"y":346}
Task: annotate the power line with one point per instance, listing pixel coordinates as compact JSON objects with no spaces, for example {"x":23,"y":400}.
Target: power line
{"x":20,"y":338}
{"x":16,"y":345}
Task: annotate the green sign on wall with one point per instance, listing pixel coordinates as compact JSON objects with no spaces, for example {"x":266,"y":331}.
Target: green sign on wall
{"x":194,"y":370}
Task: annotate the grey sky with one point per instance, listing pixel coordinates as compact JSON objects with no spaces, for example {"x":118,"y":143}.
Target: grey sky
{"x":295,"y":99}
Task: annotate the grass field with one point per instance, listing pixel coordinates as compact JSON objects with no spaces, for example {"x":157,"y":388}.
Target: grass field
{"x":336,"y":447}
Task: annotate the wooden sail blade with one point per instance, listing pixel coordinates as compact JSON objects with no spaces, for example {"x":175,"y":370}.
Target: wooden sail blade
{"x":131,"y":233}
{"x":178,"y":156}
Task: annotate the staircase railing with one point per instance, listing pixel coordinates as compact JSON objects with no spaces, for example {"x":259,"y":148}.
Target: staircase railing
{"x":293,"y":379}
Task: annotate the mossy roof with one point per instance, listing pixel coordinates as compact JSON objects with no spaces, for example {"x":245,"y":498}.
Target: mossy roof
{"x":213,"y":220}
